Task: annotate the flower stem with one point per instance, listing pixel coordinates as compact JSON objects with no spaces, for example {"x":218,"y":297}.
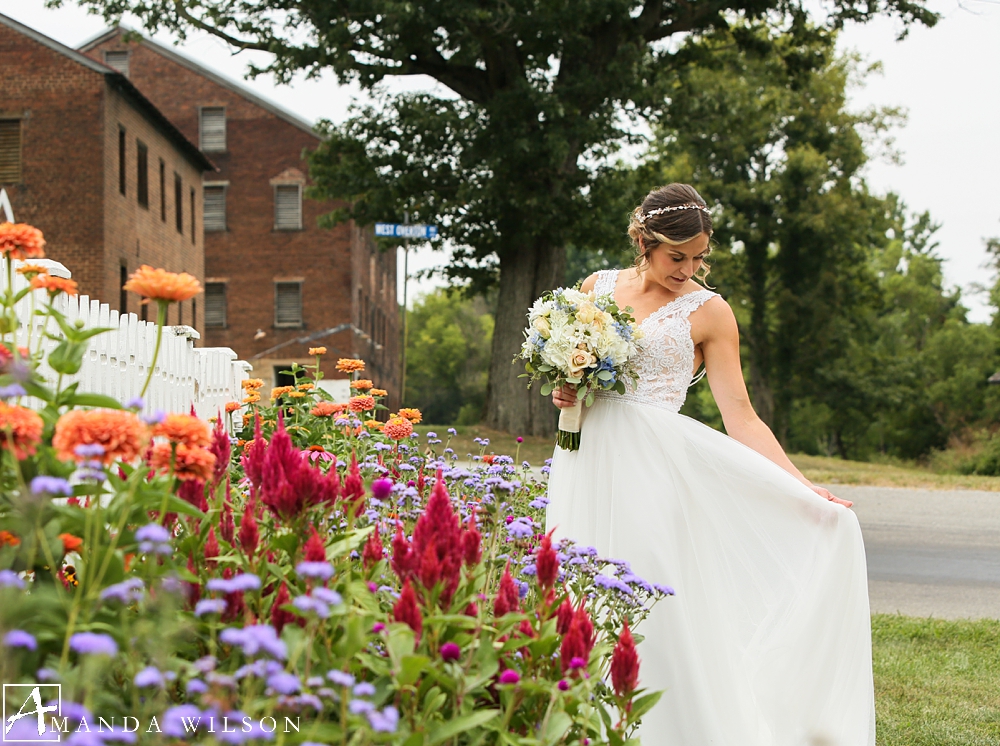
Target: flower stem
{"x":161,"y":319}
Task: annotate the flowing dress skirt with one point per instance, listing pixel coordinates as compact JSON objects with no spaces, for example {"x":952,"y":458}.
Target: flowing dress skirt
{"x":767,"y":641}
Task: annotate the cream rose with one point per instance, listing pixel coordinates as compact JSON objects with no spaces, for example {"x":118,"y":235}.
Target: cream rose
{"x":541,"y":325}
{"x":579,"y":360}
{"x":586,"y":313}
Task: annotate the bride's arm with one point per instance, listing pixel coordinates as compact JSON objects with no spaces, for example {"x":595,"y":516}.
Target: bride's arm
{"x":720,"y":345}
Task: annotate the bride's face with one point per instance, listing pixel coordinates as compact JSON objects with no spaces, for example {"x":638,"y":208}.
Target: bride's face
{"x":672,"y":266}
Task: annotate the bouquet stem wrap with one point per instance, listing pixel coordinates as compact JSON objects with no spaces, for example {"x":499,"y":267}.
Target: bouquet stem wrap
{"x":568,"y":437}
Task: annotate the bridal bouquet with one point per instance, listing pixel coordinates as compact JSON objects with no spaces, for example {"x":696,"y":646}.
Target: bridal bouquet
{"x":580,"y":339}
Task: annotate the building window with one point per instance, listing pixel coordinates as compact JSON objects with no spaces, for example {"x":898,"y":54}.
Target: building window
{"x":288,"y":304}
{"x":215,"y":207}
{"x":193,"y":229}
{"x":163,"y":191}
{"x":213,"y":129}
{"x":142,"y":174}
{"x":288,"y":207}
{"x":179,"y":202}
{"x":10,"y":151}
{"x":122,"y":293}
{"x":117,"y":61}
{"x":121,"y":160}
{"x":215,"y":304}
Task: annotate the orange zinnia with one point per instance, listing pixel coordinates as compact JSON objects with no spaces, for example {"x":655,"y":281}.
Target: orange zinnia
{"x":123,"y":435}
{"x":317,"y":350}
{"x":378,"y":392}
{"x":350,"y":365}
{"x":70,"y":543}
{"x":20,"y":430}
{"x":280,"y":391}
{"x":21,"y":241}
{"x":413,"y":415}
{"x":54,"y":285}
{"x":373,"y":423}
{"x":362,"y":385}
{"x":6,"y":537}
{"x":325,"y":409}
{"x":361,"y":403}
{"x":252,"y":398}
{"x":31,"y":270}
{"x":306,"y":386}
{"x":251,"y":384}
{"x":232,"y":406}
{"x":189,"y":463}
{"x":398,"y":428}
{"x":184,"y":428}
{"x":160,"y":285}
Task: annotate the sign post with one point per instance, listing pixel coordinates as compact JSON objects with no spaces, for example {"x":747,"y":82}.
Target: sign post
{"x":405,"y":231}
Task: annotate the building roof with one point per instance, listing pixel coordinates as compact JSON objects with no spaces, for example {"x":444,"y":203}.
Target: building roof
{"x":123,"y":86}
{"x":200,"y":69}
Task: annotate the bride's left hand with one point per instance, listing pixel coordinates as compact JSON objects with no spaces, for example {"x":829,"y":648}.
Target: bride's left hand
{"x":824,"y":493}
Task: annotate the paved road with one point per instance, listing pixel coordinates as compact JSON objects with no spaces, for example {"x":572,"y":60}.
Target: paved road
{"x":930,"y":552}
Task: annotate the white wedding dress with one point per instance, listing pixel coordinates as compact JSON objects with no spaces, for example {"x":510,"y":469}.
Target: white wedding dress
{"x":767,"y":641}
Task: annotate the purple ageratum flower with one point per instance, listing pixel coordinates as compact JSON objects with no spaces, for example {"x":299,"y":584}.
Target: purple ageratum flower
{"x":243,"y":582}
{"x":239,"y":734}
{"x":340,"y":678}
{"x":209,"y":606}
{"x":308,"y":603}
{"x":664,"y":589}
{"x":254,"y":639}
{"x":321,"y":570}
{"x":284,"y":683}
{"x":181,"y":721}
{"x":93,"y":643}
{"x":314,"y":681}
{"x":196,"y":686}
{"x":385,"y":721}
{"x":452,"y":431}
{"x":360,"y":706}
{"x":522,"y":588}
{"x":10,"y":579}
{"x":520,"y":529}
{"x":149,"y":676}
{"x":381,"y":488}
{"x":603,"y":581}
{"x":126,"y":592}
{"x":54,"y":486}
{"x":11,"y":391}
{"x":89,"y":450}
{"x":136,"y":402}
{"x":46,"y":674}
{"x":450,"y":651}
{"x":18,"y":638}
{"x":327,"y":596}
{"x":205,"y":664}
{"x":152,"y":532}
{"x":364,"y":689}
{"x":155,"y":418}
{"x":510,"y":676}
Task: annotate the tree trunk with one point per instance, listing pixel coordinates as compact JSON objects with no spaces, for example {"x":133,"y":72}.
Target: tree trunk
{"x":524,"y":275}
{"x":758,"y":337}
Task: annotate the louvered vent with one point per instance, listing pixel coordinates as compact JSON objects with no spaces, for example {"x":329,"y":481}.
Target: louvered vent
{"x":10,"y":151}
{"x":288,"y":304}
{"x":117,"y":61}
{"x":215,"y":304}
{"x":215,"y":208}
{"x":213,"y":129}
{"x":288,"y":207}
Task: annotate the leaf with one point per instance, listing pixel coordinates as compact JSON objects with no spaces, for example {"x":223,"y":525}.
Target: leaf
{"x":605,"y":375}
{"x":67,"y":357}
{"x":546,"y":389}
{"x":400,"y":643}
{"x":559,"y":723}
{"x":94,"y":400}
{"x":410,"y":669}
{"x":643,"y":705}
{"x":458,"y":725}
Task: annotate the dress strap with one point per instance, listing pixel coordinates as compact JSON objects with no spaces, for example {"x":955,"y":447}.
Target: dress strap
{"x":606,"y":280}
{"x":687,"y":304}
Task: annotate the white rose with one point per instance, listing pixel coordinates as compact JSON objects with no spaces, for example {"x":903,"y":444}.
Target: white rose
{"x":586,"y":313}
{"x":542,"y":326}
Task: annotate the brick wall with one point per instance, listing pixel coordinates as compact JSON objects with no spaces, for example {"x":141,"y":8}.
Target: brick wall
{"x":333,"y":265}
{"x":60,"y":103}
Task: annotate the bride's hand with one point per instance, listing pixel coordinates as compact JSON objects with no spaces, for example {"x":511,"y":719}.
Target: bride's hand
{"x":564,"y":396}
{"x":830,"y":496}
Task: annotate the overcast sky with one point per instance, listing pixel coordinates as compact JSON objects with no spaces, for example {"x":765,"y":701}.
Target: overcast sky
{"x":947,"y":78}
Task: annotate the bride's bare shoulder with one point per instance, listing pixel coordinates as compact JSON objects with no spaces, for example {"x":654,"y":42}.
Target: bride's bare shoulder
{"x":589,"y":283}
{"x":716,"y":317}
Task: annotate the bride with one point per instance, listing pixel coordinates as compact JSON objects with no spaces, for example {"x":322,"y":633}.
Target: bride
{"x":767,"y":641}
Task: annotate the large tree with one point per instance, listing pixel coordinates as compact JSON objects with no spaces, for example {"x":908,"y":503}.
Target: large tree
{"x":514,"y":162}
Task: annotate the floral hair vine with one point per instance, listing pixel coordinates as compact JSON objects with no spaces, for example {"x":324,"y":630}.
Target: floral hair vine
{"x":642,"y":218}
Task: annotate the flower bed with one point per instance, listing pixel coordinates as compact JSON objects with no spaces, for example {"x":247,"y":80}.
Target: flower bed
{"x":321,"y":577}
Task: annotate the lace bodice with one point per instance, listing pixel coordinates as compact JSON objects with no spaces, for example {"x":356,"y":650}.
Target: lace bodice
{"x":665,"y":361}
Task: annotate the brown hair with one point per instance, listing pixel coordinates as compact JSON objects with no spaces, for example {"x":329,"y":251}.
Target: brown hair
{"x":673,"y":227}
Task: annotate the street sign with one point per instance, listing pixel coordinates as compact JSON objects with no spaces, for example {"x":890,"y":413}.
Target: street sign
{"x":399,"y":230}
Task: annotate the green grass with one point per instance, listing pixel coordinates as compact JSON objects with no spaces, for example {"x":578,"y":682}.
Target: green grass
{"x":937,"y":682}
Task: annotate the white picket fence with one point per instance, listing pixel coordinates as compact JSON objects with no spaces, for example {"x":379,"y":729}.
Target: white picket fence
{"x":117,"y":361}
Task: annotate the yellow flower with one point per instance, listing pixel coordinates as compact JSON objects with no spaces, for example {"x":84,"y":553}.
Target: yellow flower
{"x":413,"y":415}
{"x":31,"y":270}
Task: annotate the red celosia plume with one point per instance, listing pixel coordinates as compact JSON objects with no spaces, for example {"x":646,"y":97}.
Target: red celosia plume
{"x":315,"y":548}
{"x":211,"y":549}
{"x":373,"y":551}
{"x":290,"y":483}
{"x":249,"y":534}
{"x":408,"y":610}
{"x":625,"y":664}
{"x":472,"y":551}
{"x":547,"y":563}
{"x":578,"y":640}
{"x":508,"y":599}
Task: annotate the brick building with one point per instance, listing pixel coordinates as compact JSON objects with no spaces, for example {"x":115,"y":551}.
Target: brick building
{"x":89,"y":160}
{"x":273,"y":277}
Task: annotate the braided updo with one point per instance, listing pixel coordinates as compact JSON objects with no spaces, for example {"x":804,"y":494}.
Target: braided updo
{"x":688,"y":219}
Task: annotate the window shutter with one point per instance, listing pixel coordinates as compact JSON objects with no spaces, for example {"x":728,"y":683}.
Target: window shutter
{"x":288,"y":207}
{"x":215,"y":208}
{"x":10,"y":151}
{"x":142,"y":174}
{"x":117,"y":61}
{"x":213,"y":129}
{"x":215,"y":304}
{"x":288,"y":304}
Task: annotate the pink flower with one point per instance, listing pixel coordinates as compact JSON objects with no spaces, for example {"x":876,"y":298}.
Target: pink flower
{"x":510,"y":676}
{"x":450,"y":652}
{"x":381,"y":488}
